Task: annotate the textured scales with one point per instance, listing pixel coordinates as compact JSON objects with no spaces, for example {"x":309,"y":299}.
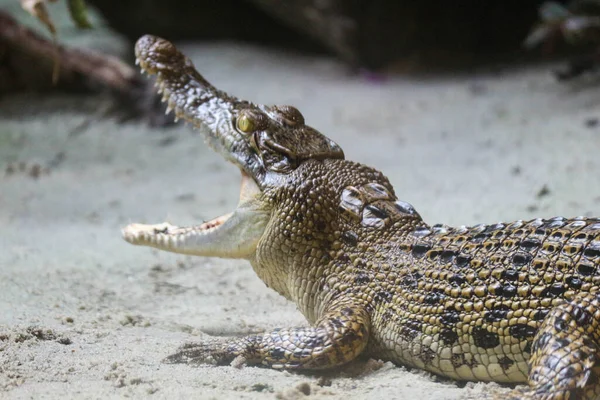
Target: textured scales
{"x":515,"y":302}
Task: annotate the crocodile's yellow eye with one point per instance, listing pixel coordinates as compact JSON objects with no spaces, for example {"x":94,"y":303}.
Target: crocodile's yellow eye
{"x":245,"y":124}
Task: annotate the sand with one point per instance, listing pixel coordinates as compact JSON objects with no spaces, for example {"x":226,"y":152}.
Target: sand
{"x":85,"y":315}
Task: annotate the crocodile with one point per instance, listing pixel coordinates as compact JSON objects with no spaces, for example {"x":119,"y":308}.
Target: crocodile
{"x":507,"y":302}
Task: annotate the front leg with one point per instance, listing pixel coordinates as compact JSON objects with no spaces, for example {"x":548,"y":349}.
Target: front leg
{"x":337,"y":338}
{"x":565,"y":359}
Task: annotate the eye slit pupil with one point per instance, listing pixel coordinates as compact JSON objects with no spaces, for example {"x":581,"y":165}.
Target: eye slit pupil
{"x":245,"y":124}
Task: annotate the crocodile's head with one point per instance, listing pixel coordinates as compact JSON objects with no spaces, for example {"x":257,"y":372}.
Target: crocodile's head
{"x":267,"y":143}
{"x":257,"y":138}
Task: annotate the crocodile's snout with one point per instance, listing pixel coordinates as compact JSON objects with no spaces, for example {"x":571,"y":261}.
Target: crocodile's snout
{"x":158,"y":55}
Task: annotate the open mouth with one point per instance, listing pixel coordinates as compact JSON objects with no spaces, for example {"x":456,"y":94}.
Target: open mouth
{"x":233,"y":235}
{"x":214,"y":223}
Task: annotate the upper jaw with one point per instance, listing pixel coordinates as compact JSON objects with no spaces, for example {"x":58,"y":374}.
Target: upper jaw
{"x":195,"y":100}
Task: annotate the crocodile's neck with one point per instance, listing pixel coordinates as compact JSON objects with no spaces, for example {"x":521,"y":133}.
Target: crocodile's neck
{"x":341,"y":217}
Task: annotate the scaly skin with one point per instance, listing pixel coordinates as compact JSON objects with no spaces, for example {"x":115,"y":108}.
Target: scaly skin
{"x":513,"y":302}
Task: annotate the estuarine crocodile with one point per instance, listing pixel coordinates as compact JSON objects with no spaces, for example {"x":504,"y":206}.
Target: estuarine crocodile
{"x":508,"y":302}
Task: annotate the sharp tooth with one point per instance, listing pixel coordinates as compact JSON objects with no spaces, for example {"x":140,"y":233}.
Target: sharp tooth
{"x":165,"y":97}
{"x":178,"y":115}
{"x":169,"y":108}
{"x":137,"y":61}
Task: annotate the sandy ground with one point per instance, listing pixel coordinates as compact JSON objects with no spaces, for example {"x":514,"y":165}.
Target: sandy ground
{"x":83,"y":314}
